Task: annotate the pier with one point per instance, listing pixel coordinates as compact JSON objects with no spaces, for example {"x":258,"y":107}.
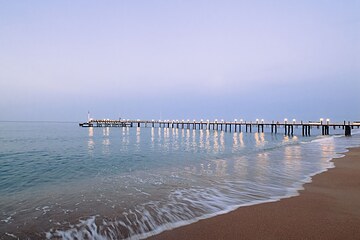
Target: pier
{"x":286,"y":127}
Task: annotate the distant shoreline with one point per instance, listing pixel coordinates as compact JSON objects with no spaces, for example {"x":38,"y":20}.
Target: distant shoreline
{"x":37,"y":121}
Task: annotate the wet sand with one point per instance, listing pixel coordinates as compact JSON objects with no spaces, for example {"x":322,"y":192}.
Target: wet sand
{"x":327,"y":208}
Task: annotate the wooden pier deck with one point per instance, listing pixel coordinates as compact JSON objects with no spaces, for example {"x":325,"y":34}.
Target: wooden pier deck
{"x":288,"y":127}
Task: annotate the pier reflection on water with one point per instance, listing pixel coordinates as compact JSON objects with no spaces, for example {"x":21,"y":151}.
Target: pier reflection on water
{"x":210,"y":152}
{"x":65,"y":177}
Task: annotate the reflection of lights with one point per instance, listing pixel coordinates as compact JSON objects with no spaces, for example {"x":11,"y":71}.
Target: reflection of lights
{"x":241,"y":140}
{"x":263,"y":161}
{"x":106,"y":142}
{"x":138,"y":135}
{"x":187,"y":143}
{"x":152,"y":135}
{"x":292,"y":155}
{"x":222,"y":140}
{"x":91,"y":131}
{"x":216,"y":144}
{"x":201,"y":138}
{"x":241,"y":167}
{"x":220,"y":167}
{"x":106,"y":131}
{"x":257,"y":139}
{"x":91,"y":142}
{"x":125,"y":133}
{"x":235,"y":141}
{"x":207,"y":141}
{"x":91,"y":145}
{"x":159,"y":133}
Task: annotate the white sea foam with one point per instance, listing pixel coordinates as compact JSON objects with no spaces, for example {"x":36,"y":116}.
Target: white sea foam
{"x":140,"y":188}
{"x":186,"y":206}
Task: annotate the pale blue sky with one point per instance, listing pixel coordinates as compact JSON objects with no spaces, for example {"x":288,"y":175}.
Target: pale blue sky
{"x":179,"y":59}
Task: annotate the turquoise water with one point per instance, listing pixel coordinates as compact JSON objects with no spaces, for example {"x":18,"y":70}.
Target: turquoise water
{"x":58,"y":180}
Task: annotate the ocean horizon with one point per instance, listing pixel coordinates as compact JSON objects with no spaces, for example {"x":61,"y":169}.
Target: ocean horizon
{"x":61,"y":181}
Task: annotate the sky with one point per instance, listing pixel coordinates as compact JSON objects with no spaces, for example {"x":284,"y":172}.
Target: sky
{"x":159,"y":59}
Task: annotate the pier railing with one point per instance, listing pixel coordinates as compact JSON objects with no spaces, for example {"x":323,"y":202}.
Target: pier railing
{"x":228,"y":125}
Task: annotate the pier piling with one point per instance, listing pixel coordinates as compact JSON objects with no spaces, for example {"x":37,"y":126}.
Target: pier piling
{"x":228,"y":126}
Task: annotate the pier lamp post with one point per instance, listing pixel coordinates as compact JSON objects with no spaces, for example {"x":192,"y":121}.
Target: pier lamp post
{"x":327,"y":121}
{"x":182,"y":120}
{"x":222,"y":120}
{"x":262,"y":120}
{"x":294,"y":120}
{"x":257,"y":121}
{"x":321,"y":121}
{"x":235,"y":120}
{"x":215,"y":120}
{"x":241,"y":120}
{"x":208,"y":120}
{"x":285,"y":120}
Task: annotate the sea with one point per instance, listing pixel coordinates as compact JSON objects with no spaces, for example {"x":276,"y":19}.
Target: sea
{"x":62,"y":181}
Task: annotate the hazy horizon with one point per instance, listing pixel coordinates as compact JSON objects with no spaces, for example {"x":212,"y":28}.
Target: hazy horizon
{"x":179,"y":60}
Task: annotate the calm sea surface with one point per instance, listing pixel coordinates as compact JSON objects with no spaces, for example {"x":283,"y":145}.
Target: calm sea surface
{"x":61,"y":181}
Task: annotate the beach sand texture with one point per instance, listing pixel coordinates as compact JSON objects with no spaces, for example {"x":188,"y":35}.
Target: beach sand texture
{"x":327,"y":208}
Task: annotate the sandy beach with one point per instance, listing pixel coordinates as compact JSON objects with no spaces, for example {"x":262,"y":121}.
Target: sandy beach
{"x":327,"y":208}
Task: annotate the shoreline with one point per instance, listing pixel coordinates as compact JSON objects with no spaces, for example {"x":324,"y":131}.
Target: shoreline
{"x":327,"y":208}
